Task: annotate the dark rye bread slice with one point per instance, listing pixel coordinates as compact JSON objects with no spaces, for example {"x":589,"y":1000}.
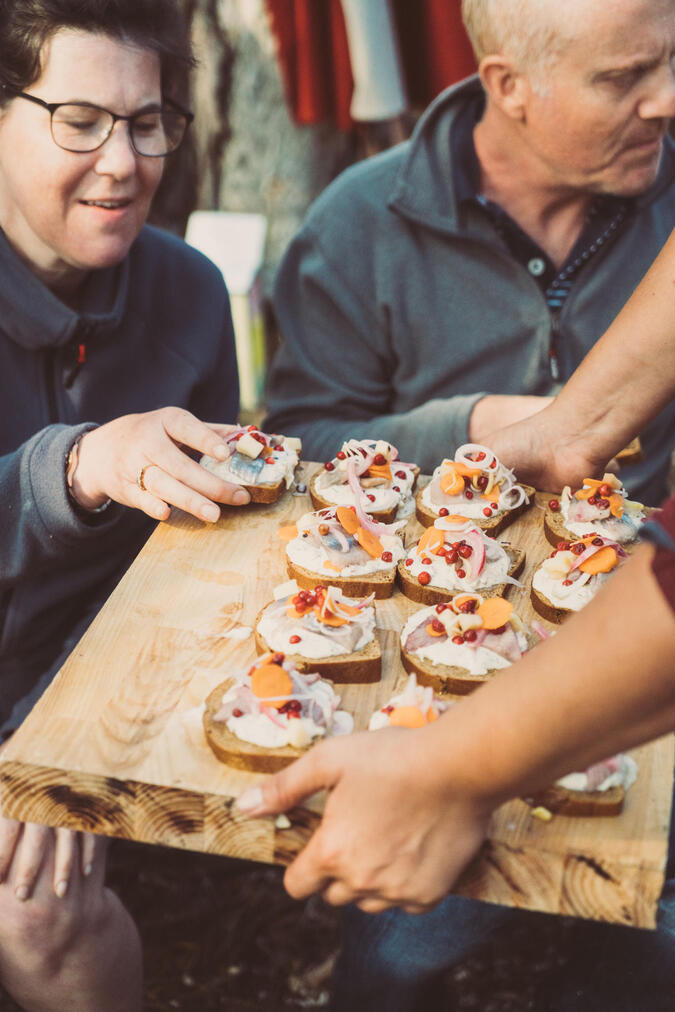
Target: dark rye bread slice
{"x":491,"y":525}
{"x":320,"y":503}
{"x":563,"y":801}
{"x":363,"y":665}
{"x":548,"y":610}
{"x":431,"y":594}
{"x":266,"y":493}
{"x":241,"y":755}
{"x":444,"y":678}
{"x":555,"y":530}
{"x":381,"y":584}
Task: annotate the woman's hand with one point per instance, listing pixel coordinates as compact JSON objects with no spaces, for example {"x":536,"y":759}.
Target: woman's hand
{"x":23,"y":846}
{"x":113,"y":456}
{"x":392,"y":834}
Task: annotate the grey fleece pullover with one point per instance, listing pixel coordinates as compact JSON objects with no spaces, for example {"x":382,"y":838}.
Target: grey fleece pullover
{"x":155,"y":330}
{"x":399,"y":309}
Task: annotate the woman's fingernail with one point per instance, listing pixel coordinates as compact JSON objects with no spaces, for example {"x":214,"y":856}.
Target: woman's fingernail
{"x":221,"y":451}
{"x":211,"y":513}
{"x":87,"y":869}
{"x":250,"y":800}
{"x":61,"y":888}
{"x":21,"y":893}
{"x":240,"y":498}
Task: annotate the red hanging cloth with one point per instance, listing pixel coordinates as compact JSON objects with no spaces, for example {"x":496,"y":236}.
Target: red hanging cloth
{"x":313,"y":54}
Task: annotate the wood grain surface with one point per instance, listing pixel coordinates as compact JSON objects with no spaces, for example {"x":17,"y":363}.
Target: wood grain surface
{"x":115,"y":746}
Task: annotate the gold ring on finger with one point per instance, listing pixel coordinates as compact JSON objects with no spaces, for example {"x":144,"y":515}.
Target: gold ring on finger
{"x":140,"y":477}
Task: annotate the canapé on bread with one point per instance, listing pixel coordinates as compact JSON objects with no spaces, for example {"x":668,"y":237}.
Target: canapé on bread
{"x":366,"y":472}
{"x":320,"y":631}
{"x":459,"y":645}
{"x":264,"y":719}
{"x":599,"y":790}
{"x":455,"y":556}
{"x":598,"y":507}
{"x":474,"y":484}
{"x":261,"y":463}
{"x":341,"y":546}
{"x":572,"y":575}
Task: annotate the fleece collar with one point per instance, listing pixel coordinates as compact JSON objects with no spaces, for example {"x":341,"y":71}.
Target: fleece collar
{"x":33,"y":317}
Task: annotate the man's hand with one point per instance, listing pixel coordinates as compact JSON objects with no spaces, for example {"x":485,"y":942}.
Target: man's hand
{"x":112,"y":457}
{"x":392,"y":833}
{"x":23,"y":846}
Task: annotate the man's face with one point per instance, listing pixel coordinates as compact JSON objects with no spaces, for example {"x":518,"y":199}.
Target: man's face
{"x":47,"y":194}
{"x":598,"y":121}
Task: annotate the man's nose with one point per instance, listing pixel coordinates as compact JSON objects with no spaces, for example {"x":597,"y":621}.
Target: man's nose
{"x":659,"y":102}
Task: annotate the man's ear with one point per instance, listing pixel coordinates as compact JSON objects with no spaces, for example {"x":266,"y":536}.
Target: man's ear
{"x":505,"y":86}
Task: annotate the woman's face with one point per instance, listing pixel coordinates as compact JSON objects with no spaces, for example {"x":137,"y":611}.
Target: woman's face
{"x":50,"y":199}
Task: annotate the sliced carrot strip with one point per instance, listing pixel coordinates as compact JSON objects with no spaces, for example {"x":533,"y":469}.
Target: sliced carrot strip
{"x":603,"y":560}
{"x":407,"y":716}
{"x":431,"y":715}
{"x":461,"y":599}
{"x":379,"y":471}
{"x":495,"y":612}
{"x":293,"y":612}
{"x":348,"y":519}
{"x":455,"y":518}
{"x":346,"y":609}
{"x":451,"y":482}
{"x":288,"y":532}
{"x":465,"y":470}
{"x":616,"y":505}
{"x":368,"y":541}
{"x":328,"y":618}
{"x":271,"y":680}
{"x":331,"y":565}
{"x":431,"y":541}
{"x":432,"y":632}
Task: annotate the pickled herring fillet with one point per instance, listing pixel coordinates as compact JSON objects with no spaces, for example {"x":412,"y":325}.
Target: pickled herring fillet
{"x":246,"y":468}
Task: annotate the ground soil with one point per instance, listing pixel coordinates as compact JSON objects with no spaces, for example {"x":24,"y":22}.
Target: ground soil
{"x":223,"y":935}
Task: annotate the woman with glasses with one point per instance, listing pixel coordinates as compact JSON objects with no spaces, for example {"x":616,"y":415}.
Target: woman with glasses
{"x":115,"y":340}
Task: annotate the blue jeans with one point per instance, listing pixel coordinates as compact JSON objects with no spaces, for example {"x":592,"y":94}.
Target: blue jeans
{"x":395,"y":962}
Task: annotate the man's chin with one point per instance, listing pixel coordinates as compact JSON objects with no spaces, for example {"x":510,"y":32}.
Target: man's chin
{"x":635,"y":176}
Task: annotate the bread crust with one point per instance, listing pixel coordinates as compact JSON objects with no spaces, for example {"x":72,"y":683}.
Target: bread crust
{"x":362,"y":666}
{"x":380,"y":584}
{"x":551,"y":612}
{"x":491,"y":525}
{"x":430,"y":594}
{"x":562,"y":801}
{"x":241,"y":755}
{"x":265,"y":493}
{"x":445,"y":678}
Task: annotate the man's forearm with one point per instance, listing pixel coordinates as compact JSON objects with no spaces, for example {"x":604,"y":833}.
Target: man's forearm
{"x":604,"y":683}
{"x":600,"y":402}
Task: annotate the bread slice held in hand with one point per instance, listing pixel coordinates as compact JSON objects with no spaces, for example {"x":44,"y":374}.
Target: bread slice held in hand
{"x":322,"y":630}
{"x":263,"y":464}
{"x":264,"y":719}
{"x":455,"y":556}
{"x":475,"y":485}
{"x":459,"y":645}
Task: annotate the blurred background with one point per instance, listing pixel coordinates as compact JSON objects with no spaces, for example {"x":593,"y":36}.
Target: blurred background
{"x":287,"y":94}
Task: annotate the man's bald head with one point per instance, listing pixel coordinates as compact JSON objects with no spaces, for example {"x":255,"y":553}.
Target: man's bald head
{"x":529,"y":32}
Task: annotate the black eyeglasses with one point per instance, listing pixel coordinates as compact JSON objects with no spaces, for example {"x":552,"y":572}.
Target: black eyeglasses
{"x":81,"y":127}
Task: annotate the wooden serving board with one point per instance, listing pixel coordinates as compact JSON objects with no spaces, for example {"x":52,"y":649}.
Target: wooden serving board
{"x":115,"y":745}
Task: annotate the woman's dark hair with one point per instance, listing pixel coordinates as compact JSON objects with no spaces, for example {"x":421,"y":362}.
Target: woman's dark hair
{"x":157,"y":25}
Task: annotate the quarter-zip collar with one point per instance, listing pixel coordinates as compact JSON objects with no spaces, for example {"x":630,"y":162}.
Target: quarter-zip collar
{"x":37,"y":319}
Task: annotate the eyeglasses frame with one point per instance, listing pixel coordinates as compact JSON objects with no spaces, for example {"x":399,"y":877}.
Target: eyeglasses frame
{"x":51,"y":108}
